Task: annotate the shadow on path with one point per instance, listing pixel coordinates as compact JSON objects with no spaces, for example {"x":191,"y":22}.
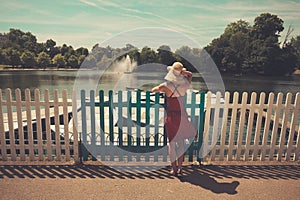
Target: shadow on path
{"x":207,"y":182}
{"x":204,"y":176}
{"x":148,"y":172}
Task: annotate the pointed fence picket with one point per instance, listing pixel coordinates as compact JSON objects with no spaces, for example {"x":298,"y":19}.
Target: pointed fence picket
{"x":237,"y":126}
{"x":254,"y":129}
{"x":35,"y":129}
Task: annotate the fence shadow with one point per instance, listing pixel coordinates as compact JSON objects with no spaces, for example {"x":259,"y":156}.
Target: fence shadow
{"x":191,"y":172}
{"x":206,"y":177}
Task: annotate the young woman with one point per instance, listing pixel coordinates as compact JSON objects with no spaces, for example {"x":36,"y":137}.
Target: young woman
{"x":177,"y":125}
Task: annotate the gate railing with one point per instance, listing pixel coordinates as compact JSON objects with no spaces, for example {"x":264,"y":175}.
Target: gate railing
{"x":130,"y":125}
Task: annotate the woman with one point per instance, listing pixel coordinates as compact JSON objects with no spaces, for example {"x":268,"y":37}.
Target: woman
{"x":177,"y":125}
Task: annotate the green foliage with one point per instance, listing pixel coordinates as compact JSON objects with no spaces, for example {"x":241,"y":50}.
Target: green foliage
{"x":18,"y":48}
{"x":28,"y":59}
{"x":241,"y":49}
{"x":148,"y":55}
{"x":59,"y":61}
{"x":73,"y":61}
{"x":253,"y":49}
{"x":43,"y":60}
{"x":295,"y":48}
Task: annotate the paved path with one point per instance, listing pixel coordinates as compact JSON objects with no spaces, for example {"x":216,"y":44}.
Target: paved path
{"x":92,"y":181}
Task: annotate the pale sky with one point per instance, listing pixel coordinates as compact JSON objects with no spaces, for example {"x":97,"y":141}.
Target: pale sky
{"x":88,"y":22}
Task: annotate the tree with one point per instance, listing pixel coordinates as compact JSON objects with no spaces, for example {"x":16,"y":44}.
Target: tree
{"x":73,"y":61}
{"x":89,"y":62}
{"x":256,"y":49}
{"x":82,"y":51}
{"x":264,"y":45}
{"x":43,"y":60}
{"x":81,"y":59}
{"x":28,"y":42}
{"x":50,"y":44}
{"x":3,"y":57}
{"x":59,"y":61}
{"x":231,"y":49}
{"x":186,"y":56}
{"x":14,"y":57}
{"x":267,"y":25}
{"x":165,"y":55}
{"x":295,"y":44}
{"x":28,"y":59}
{"x":148,"y":56}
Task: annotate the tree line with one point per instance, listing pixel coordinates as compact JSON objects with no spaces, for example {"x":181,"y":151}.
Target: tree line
{"x":241,"y":49}
{"x":20,"y":49}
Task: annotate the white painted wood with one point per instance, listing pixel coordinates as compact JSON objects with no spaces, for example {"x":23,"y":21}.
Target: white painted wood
{"x":278,"y":109}
{"x":66,"y":124}
{"x":37,"y":100}
{"x":205,"y":145}
{"x":257,"y":136}
{"x":75,"y":127}
{"x":267,"y":126}
{"x":2,"y":133}
{"x":48,"y":129}
{"x":216,"y":132}
{"x":224,"y":126}
{"x":12,"y":144}
{"x":62,"y":107}
{"x":250,"y":114}
{"x":297,"y":151}
{"x":285,"y":116}
{"x":294,"y":119}
{"x":57,"y":128}
{"x":20,"y":124}
{"x":29,"y":124}
{"x":232,"y":125}
{"x":241,"y":125}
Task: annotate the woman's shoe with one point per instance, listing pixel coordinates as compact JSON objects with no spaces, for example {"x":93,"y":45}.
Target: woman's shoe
{"x":179,"y":172}
{"x":173,"y":172}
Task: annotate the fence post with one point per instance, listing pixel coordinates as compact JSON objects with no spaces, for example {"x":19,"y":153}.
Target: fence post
{"x":84,"y":152}
{"x":75,"y":128}
{"x":20,"y":124}
{"x":201,"y":126}
{"x":2,"y":134}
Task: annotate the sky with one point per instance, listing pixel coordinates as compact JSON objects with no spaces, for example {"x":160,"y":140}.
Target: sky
{"x":84,"y":23}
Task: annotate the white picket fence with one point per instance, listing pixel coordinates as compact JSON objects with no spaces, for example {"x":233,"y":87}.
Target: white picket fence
{"x":37,"y":129}
{"x":236,"y":127}
{"x":254,"y":128}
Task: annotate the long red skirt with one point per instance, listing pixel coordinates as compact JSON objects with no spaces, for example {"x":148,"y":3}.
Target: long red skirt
{"x":177,"y":124}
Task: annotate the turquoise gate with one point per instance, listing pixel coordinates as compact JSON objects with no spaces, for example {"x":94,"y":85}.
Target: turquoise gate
{"x":129,"y":125}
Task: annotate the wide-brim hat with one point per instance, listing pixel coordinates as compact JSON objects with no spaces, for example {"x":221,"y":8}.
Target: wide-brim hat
{"x":174,"y":73}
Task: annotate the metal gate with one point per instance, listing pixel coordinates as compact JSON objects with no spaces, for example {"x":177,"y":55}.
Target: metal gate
{"x":129,"y":125}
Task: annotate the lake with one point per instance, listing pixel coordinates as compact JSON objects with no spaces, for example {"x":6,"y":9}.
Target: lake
{"x":60,"y":80}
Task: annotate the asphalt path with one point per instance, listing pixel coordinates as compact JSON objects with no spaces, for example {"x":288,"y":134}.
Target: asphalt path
{"x":96,"y":181}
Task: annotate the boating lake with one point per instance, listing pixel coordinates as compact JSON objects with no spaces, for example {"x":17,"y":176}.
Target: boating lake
{"x":52,"y":79}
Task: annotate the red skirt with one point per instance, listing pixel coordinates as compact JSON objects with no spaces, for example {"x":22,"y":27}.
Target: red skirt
{"x":177,"y":124}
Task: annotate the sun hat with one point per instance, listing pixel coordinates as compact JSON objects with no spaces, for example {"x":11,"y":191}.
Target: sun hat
{"x":174,"y":73}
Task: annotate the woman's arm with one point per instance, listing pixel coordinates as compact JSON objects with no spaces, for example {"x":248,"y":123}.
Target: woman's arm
{"x":188,"y":75}
{"x":159,"y":88}
{"x":156,"y":89}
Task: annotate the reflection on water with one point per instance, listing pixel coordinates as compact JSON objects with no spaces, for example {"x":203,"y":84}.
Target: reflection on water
{"x":61,"y":80}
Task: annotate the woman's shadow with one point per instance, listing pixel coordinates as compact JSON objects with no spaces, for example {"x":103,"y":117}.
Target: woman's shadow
{"x":205,"y":181}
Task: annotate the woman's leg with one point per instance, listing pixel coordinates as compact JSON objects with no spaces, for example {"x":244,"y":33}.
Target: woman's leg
{"x":180,"y":155}
{"x":172,"y":154}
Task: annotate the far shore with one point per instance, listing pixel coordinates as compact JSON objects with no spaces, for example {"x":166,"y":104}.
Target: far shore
{"x":37,"y":69}
{"x":18,"y":69}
